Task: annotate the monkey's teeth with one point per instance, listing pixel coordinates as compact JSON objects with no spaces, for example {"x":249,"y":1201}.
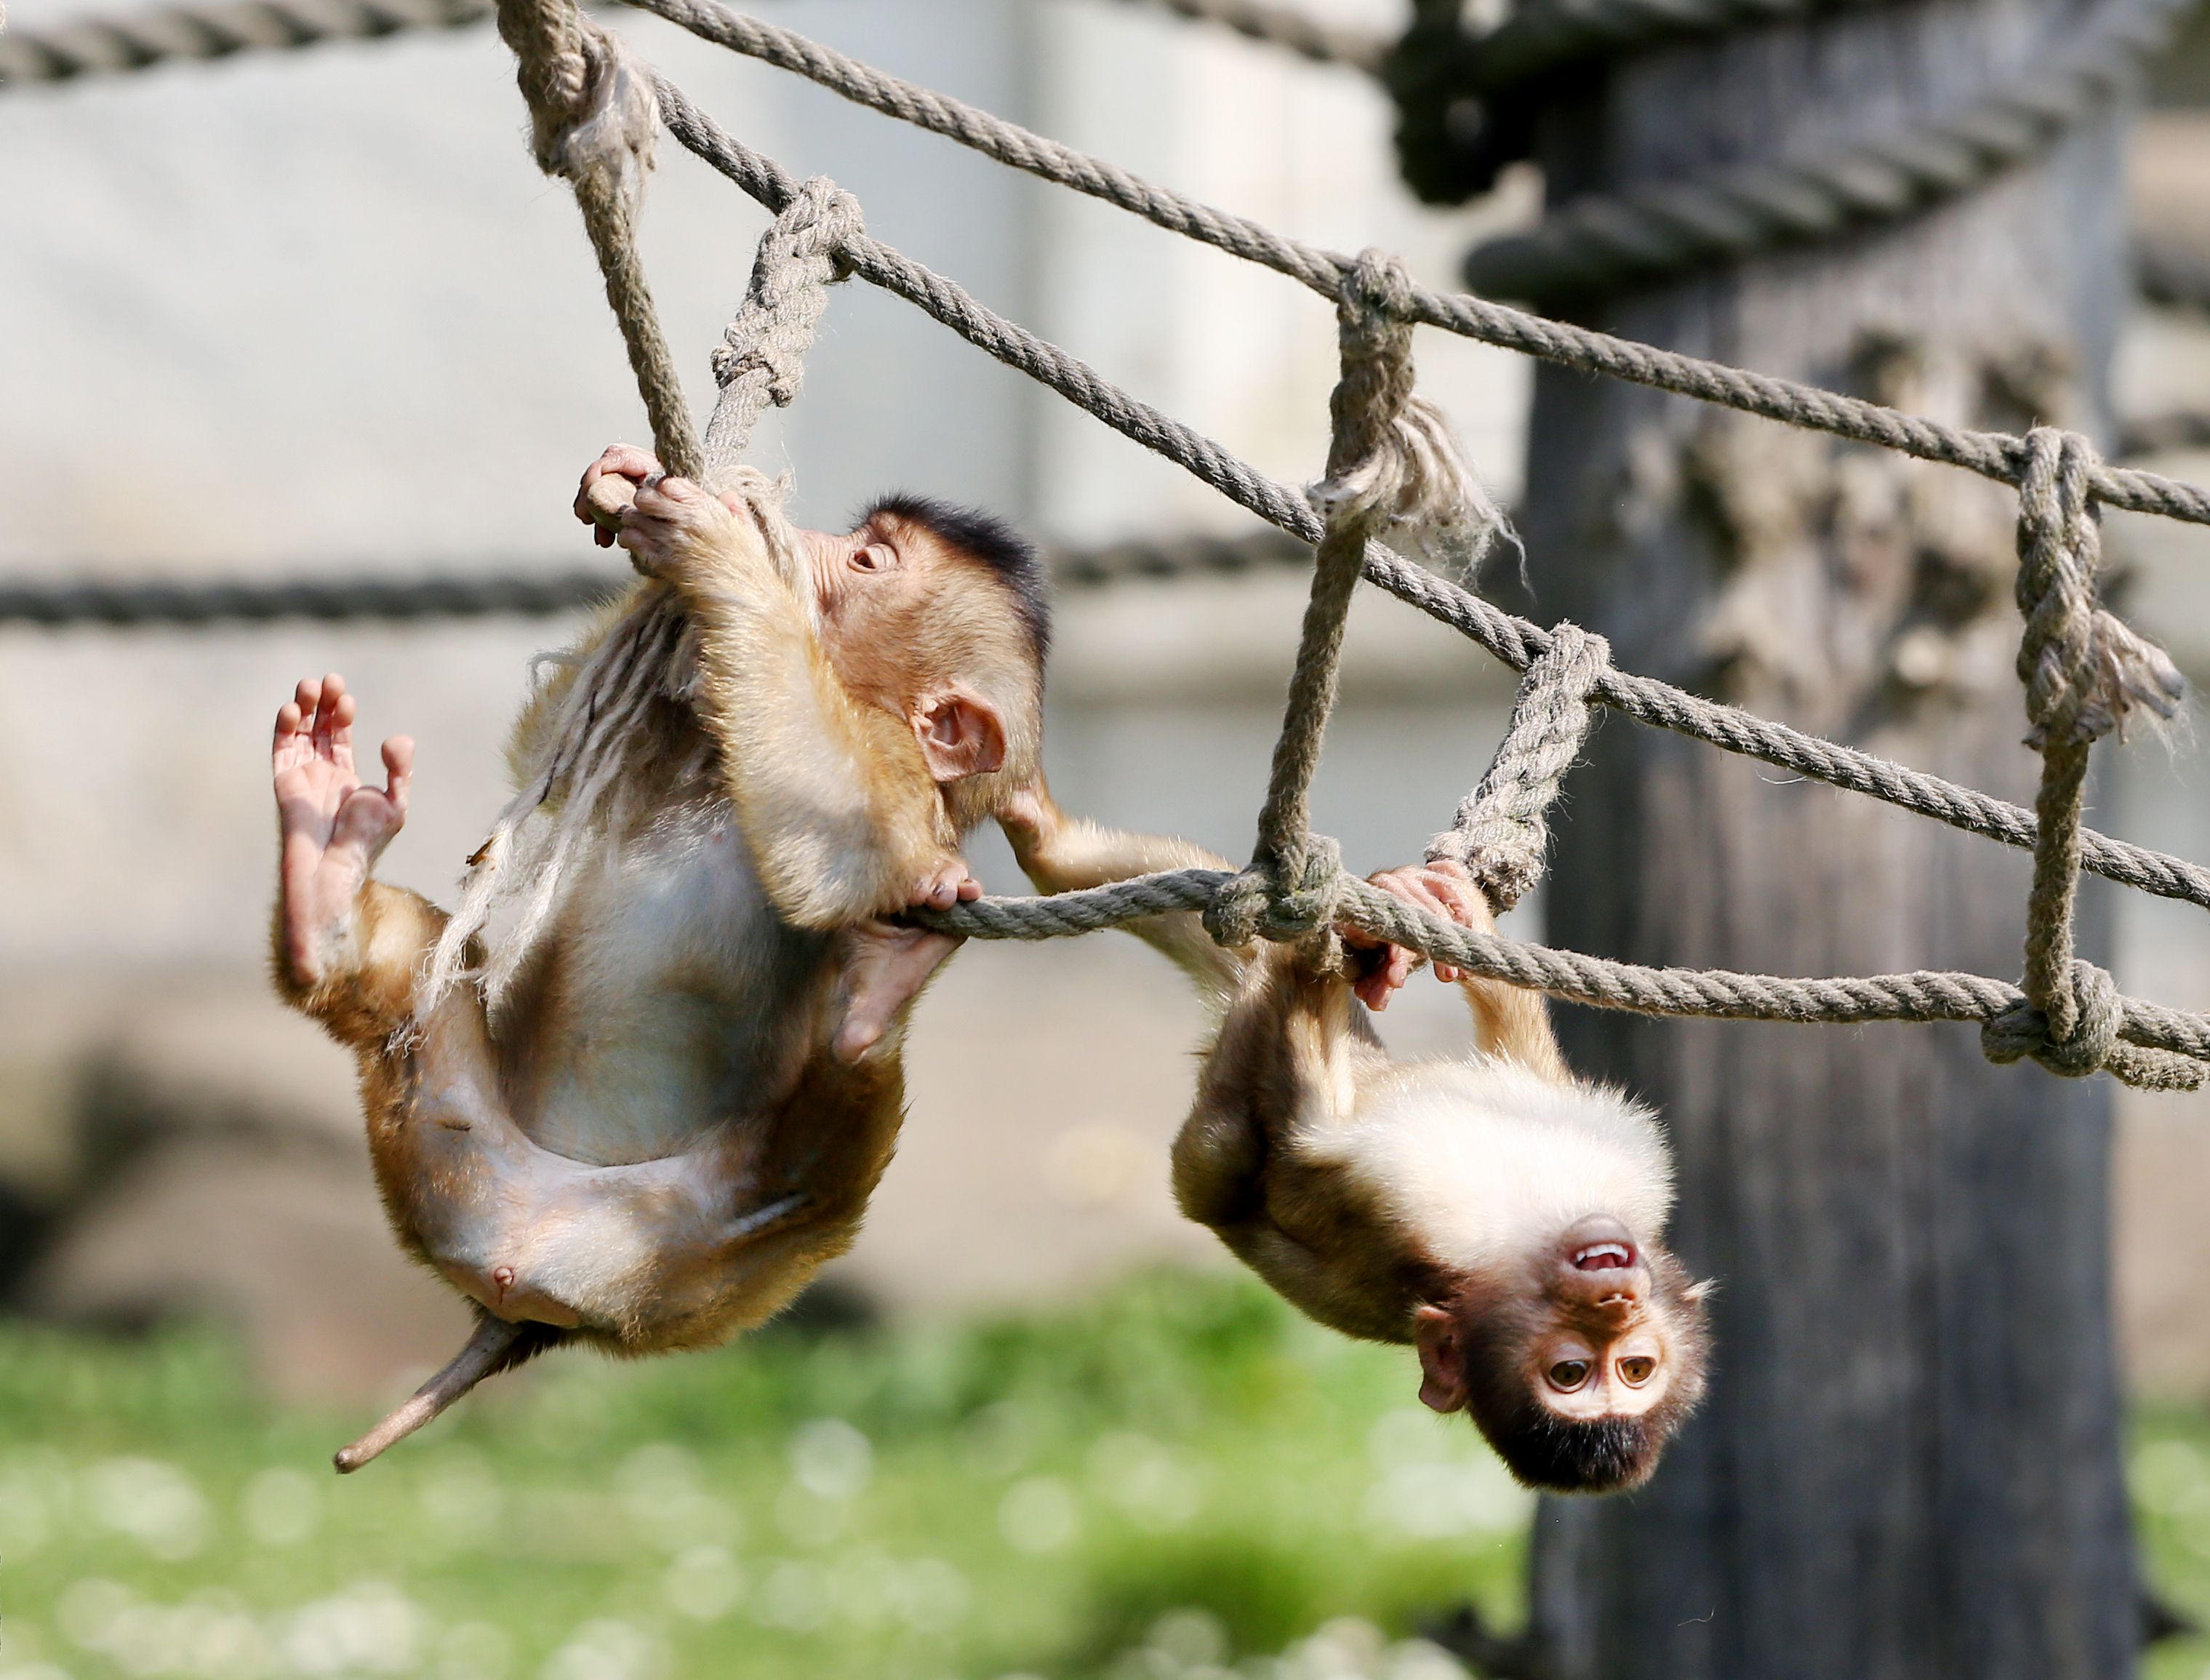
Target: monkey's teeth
{"x":1599,"y":1255}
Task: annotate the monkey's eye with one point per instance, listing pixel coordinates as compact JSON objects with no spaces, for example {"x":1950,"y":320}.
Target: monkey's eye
{"x":1568,"y":1374}
{"x":1637,"y":1369}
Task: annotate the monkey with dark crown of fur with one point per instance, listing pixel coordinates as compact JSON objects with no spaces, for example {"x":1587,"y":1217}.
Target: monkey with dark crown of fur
{"x":1501,"y":1215}
{"x":646,"y":1119}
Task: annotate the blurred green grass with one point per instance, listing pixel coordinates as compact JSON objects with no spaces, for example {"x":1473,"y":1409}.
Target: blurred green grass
{"x":1175,"y":1479}
{"x":1165,"y":1479}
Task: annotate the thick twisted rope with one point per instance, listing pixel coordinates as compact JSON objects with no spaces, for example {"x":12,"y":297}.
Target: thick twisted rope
{"x":140,"y":40}
{"x":1500,"y":834}
{"x":1283,"y":27}
{"x":1713,"y":994}
{"x":1375,"y":476}
{"x":2085,"y":671}
{"x":762,"y":357}
{"x":1602,"y":242}
{"x":547,"y":593}
{"x":1514,"y":641}
{"x":1994,"y":455}
{"x":592,"y":123}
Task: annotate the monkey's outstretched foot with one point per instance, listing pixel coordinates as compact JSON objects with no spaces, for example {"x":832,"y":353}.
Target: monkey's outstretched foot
{"x":886,"y":968}
{"x":333,"y":828}
{"x":491,"y":1350}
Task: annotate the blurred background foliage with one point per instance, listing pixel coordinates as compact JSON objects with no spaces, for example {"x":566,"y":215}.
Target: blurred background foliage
{"x":1174,"y":1476}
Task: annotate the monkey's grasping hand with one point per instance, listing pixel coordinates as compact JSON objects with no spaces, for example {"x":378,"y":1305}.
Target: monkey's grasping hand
{"x":1442,"y":889}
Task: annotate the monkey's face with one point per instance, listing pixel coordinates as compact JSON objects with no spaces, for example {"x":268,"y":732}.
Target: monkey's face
{"x":1578,"y":1365}
{"x":1598,"y":1349}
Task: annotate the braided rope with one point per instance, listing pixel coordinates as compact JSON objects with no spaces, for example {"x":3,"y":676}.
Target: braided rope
{"x":1514,"y":641}
{"x":536,"y":594}
{"x":1715,"y":993}
{"x":1500,"y":834}
{"x":1602,"y":242}
{"x":592,"y":124}
{"x":140,"y":40}
{"x":1994,"y":455}
{"x":1543,"y":36}
{"x":762,"y":359}
{"x":1375,"y":475}
{"x":1283,"y":27}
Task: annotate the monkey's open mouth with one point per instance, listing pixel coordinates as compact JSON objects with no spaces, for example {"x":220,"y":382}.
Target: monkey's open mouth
{"x":1602,"y":1256}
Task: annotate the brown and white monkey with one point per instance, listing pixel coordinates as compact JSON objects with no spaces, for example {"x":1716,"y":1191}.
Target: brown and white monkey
{"x":680,"y":1105}
{"x":1504,"y":1217}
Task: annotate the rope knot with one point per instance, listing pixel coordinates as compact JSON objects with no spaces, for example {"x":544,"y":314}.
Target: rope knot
{"x":1263,"y":903}
{"x":1500,"y":834}
{"x":2096,"y":1013}
{"x":1394,"y":460}
{"x":593,"y":112}
{"x":762,"y":357}
{"x":2084,"y":669}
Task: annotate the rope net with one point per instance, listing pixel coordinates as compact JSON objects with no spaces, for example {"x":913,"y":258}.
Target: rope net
{"x":1394,"y":479}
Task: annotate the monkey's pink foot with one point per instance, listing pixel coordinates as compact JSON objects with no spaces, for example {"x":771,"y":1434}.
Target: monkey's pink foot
{"x":331,"y":828}
{"x":884,"y":969}
{"x":944,"y":886}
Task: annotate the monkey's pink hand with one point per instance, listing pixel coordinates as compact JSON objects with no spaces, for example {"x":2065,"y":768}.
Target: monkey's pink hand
{"x":628,"y":468}
{"x":946,"y":885}
{"x":674,"y":528}
{"x":1442,"y":889}
{"x":332,"y":828}
{"x":885,"y":968}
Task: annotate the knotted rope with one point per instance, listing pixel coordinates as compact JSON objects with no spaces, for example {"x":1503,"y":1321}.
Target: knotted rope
{"x":1393,"y":462}
{"x":593,"y":120}
{"x":2085,"y":672}
{"x":762,"y":357}
{"x":1500,"y":835}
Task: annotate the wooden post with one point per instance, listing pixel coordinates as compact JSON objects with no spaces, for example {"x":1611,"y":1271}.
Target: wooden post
{"x":1910,"y":1466}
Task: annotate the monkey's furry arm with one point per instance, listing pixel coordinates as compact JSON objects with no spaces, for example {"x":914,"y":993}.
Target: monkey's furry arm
{"x":1064,"y":854}
{"x":365,"y":992}
{"x":834,"y":797}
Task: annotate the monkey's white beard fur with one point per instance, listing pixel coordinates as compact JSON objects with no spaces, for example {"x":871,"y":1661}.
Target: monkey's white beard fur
{"x":1489,"y":1161}
{"x":576,"y":776}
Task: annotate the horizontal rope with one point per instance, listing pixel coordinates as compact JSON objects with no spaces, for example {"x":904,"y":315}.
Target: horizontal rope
{"x":545,"y":594}
{"x":534,"y":595}
{"x":1995,"y":455}
{"x":1600,"y":243}
{"x":1284,"y":26}
{"x":1539,"y":37}
{"x":140,"y":41}
{"x":1514,"y":641}
{"x":1719,"y":994}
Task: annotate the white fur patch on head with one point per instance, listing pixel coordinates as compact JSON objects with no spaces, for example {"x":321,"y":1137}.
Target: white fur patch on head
{"x":1485,"y":1159}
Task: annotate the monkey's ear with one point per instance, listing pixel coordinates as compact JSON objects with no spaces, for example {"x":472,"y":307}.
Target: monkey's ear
{"x":960,"y":733}
{"x":1442,"y":1359}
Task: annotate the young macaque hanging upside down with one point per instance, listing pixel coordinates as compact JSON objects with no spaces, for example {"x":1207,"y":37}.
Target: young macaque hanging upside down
{"x":1501,"y":1215}
{"x":678,"y":1108}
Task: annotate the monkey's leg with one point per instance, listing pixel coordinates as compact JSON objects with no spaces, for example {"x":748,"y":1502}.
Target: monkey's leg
{"x":884,"y":970}
{"x":1064,"y":854}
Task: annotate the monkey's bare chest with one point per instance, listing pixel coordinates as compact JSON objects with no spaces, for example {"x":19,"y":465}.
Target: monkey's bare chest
{"x":670,"y":1002}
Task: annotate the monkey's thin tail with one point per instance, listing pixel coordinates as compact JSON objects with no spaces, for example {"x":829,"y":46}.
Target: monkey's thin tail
{"x":496,"y":1346}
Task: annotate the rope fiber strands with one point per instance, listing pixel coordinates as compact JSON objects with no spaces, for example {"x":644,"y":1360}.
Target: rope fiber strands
{"x":1282,"y":26}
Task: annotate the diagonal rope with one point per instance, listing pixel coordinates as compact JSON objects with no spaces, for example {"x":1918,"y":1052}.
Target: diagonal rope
{"x":1514,"y":641}
{"x":1994,"y":455}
